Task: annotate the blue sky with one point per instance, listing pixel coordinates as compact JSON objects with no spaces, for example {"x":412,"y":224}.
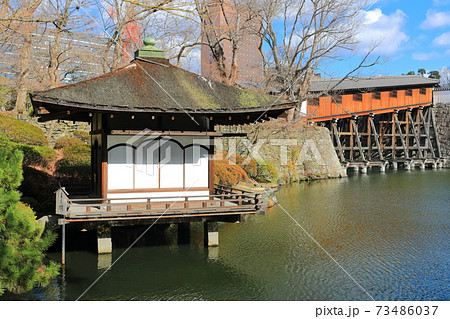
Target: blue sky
{"x":413,"y":33}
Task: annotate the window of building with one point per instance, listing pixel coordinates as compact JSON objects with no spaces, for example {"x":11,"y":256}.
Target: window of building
{"x":423,"y":91}
{"x":393,"y":94}
{"x":337,"y":99}
{"x":377,"y":96}
{"x":314,"y":101}
{"x":357,"y":97}
{"x":409,"y":92}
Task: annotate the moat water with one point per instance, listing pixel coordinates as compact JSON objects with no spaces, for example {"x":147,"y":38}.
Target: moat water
{"x":384,"y":236}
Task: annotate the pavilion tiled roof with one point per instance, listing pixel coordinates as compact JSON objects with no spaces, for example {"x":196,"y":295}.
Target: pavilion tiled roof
{"x":154,"y":85}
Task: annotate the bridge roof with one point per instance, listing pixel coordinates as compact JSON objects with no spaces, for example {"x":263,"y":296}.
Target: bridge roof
{"x":371,"y":83}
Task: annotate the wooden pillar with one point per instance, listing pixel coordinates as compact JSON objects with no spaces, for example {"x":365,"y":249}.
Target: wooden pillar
{"x":211,"y":233}
{"x":407,"y":133}
{"x":400,"y":133}
{"x":394,"y":138}
{"x":416,"y":133}
{"x":358,"y":140}
{"x":426,"y":125}
{"x":211,"y":166}
{"x":335,"y":132}
{"x":63,"y":244}
{"x":351,"y":139}
{"x":369,"y":138}
{"x":376,"y":138}
{"x":436,"y":136}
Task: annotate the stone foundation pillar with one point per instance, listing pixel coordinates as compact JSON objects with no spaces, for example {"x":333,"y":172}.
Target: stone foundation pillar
{"x":211,"y":234}
{"x":407,"y":166}
{"x":382,"y":169}
{"x":364,"y":169}
{"x":104,"y":240}
{"x":422,"y":166}
{"x":394,"y":165}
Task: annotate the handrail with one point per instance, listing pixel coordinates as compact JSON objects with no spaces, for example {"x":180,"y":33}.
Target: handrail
{"x":219,"y":186}
{"x":245,"y":201}
{"x":157,"y":198}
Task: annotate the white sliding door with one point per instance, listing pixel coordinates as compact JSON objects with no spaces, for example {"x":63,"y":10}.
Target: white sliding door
{"x":171,"y":164}
{"x":196,"y":166}
{"x":120,"y":167}
{"x":146,"y":169}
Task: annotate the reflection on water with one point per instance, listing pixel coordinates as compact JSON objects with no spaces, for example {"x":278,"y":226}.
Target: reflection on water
{"x":389,"y":231}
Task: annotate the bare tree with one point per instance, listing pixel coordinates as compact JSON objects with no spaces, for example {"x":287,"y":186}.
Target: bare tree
{"x":177,"y":34}
{"x":62,"y":55}
{"x":302,"y":34}
{"x":224,"y":24}
{"x":19,"y":21}
{"x":119,"y":15}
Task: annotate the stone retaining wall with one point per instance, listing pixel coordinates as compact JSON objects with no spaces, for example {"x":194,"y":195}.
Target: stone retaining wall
{"x":56,"y":129}
{"x":442,"y":115}
{"x":297,"y":152}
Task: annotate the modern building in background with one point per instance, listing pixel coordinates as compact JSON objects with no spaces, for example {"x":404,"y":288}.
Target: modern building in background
{"x":249,"y":59}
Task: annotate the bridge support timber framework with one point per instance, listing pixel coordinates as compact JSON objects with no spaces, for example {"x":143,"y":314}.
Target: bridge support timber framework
{"x":405,"y":138}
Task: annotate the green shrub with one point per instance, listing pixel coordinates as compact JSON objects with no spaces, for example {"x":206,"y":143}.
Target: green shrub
{"x":82,"y":135}
{"x":40,"y":185}
{"x":21,"y":132}
{"x":23,"y":241}
{"x":266,"y":173}
{"x":34,"y":155}
{"x":66,"y":141}
{"x":75,"y":164}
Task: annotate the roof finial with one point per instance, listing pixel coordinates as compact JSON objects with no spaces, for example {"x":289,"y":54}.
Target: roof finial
{"x":149,"y":50}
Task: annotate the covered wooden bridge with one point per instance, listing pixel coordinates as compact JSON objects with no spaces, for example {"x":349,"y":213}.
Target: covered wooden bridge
{"x":378,"y":121}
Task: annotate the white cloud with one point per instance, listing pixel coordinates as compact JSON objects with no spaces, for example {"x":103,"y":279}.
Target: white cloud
{"x":441,"y":2}
{"x":383,"y":31}
{"x":425,"y":56}
{"x":436,"y":19}
{"x":442,"y":40}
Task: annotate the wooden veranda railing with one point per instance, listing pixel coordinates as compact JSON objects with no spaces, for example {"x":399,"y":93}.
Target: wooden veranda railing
{"x":224,"y":200}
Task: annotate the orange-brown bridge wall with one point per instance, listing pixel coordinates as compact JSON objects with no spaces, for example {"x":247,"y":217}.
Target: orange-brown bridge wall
{"x":328,"y":108}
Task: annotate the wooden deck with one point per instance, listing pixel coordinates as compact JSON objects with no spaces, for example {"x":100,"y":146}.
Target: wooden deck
{"x":224,"y":201}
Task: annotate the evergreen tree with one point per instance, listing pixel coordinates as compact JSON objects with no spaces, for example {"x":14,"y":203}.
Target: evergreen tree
{"x":22,"y":239}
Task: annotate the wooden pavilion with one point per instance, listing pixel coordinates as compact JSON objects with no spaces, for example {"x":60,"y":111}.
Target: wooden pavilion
{"x":152,"y":134}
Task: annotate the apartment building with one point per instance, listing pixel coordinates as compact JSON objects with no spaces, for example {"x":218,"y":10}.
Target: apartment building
{"x":228,"y":19}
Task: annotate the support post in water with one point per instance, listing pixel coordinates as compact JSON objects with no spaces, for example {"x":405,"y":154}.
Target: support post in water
{"x":211,"y":234}
{"x":407,"y":165}
{"x":63,"y":244}
{"x":104,"y":241}
{"x":364,"y":169}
